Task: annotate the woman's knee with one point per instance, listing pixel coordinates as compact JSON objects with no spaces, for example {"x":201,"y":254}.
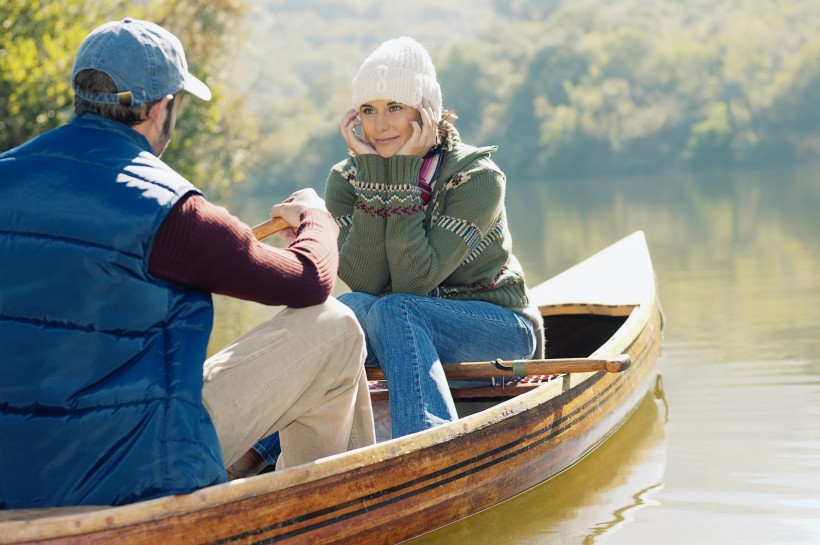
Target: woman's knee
{"x":395,"y":304}
{"x":358,"y":302}
{"x":391,"y":315}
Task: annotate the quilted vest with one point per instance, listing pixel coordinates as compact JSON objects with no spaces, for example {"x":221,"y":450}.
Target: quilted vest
{"x":100,"y":363}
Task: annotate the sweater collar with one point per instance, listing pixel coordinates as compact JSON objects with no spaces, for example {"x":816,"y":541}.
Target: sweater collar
{"x":459,"y":155}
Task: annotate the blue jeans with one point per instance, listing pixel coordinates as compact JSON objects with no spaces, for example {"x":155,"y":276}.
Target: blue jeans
{"x":409,"y":336}
{"x":269,"y":448}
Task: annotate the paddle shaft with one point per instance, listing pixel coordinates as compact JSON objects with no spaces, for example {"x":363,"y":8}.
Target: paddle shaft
{"x":498,"y":368}
{"x":269,"y":227}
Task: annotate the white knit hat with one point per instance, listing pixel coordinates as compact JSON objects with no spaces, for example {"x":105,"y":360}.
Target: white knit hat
{"x":400,"y":70}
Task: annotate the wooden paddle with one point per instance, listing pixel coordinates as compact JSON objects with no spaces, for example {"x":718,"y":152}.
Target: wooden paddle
{"x":521,"y":368}
{"x":269,"y":227}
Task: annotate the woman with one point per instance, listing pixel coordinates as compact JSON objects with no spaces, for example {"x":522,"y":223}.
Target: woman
{"x":424,"y":243}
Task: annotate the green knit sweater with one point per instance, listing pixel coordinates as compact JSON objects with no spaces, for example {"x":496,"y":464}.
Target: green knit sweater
{"x":458,"y":246}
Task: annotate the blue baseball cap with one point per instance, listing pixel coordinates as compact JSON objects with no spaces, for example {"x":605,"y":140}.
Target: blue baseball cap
{"x":145,"y":61}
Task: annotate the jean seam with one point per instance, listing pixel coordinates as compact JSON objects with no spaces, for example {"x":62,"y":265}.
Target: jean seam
{"x":419,"y":409}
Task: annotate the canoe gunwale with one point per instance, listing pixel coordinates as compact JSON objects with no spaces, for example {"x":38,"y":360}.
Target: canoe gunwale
{"x":593,"y":309}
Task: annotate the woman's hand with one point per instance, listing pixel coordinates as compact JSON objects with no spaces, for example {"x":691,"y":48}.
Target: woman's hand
{"x":423,"y":137}
{"x":348,"y":129}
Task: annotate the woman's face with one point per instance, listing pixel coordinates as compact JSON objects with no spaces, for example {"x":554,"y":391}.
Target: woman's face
{"x":387,"y":125}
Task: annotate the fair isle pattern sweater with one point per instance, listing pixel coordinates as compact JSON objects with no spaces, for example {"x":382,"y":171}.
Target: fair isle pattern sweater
{"x":458,"y":246}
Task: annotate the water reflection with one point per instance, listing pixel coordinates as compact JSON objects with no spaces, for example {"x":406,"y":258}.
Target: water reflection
{"x":586,"y":503}
{"x":692,"y":222}
{"x":729,"y":248}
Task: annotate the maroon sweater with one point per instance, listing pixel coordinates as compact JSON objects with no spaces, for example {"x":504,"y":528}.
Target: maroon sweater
{"x":202,"y":246}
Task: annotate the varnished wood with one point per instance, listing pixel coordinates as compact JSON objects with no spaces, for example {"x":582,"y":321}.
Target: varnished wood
{"x":267,"y":228}
{"x":488,"y":369}
{"x":401,"y":488}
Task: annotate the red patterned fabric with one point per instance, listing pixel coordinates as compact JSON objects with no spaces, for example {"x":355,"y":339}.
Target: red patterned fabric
{"x":428,"y":170}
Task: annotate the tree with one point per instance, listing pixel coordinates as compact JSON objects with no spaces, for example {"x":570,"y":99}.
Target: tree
{"x":41,"y":37}
{"x":212,"y":141}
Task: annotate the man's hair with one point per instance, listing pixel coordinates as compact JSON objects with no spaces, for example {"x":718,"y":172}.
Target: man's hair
{"x":95,"y":81}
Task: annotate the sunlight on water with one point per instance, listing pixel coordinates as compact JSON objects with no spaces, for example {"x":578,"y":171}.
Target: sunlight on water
{"x":593,"y":499}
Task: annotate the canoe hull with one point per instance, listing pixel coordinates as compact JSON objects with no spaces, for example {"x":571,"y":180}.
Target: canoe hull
{"x":399,"y":489}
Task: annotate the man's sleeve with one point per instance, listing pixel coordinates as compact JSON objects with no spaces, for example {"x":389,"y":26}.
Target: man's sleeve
{"x":202,"y":246}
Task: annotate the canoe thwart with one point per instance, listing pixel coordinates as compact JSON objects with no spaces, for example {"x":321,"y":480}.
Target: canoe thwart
{"x":522,"y":368}
{"x":621,"y":363}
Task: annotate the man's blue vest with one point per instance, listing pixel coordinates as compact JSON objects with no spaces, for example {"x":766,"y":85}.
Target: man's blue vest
{"x":100,"y":363}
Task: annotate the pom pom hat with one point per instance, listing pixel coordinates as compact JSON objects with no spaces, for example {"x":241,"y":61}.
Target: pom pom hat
{"x":398,"y":70}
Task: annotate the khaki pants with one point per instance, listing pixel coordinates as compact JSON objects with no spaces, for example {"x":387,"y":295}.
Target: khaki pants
{"x":300,"y":373}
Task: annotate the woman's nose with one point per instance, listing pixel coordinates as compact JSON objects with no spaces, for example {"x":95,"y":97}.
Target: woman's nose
{"x":381,"y":122}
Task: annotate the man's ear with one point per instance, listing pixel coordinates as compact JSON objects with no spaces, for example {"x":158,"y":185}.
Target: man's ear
{"x":158,"y":111}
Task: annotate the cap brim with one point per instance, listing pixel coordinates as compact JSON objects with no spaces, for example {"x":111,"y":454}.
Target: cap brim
{"x":194,"y":86}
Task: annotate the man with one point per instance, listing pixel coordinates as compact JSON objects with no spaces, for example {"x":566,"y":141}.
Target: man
{"x":107,"y":263}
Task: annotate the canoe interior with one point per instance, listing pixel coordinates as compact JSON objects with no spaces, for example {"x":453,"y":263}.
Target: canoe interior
{"x":567,"y":336}
{"x":578,"y":335}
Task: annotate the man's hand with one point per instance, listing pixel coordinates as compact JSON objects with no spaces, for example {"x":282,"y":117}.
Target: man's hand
{"x":291,"y":208}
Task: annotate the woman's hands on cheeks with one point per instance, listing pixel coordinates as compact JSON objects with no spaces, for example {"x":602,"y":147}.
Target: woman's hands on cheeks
{"x":424,"y":137}
{"x":348,"y":129}
{"x":418,"y":144}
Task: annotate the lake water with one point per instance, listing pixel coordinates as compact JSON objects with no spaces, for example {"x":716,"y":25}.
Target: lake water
{"x":726,"y":449}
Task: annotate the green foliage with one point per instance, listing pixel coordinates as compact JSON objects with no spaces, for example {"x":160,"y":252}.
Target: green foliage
{"x":795,"y":114}
{"x":41,"y":37}
{"x":37,"y":45}
{"x":563,"y":87}
{"x":211,"y":141}
{"x":627,"y":85}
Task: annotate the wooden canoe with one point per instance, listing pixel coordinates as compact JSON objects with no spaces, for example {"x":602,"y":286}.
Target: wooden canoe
{"x":604,"y":307}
